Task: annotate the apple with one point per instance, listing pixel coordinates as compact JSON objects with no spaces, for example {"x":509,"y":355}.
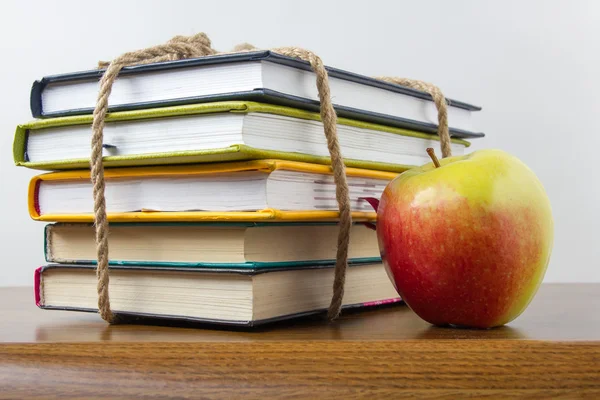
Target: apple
{"x":466,"y":240}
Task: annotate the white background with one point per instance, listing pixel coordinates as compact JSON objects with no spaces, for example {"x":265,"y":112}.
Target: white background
{"x":533,"y":65}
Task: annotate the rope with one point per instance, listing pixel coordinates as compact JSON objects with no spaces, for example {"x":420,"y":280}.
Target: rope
{"x":440,"y":104}
{"x":199,"y":45}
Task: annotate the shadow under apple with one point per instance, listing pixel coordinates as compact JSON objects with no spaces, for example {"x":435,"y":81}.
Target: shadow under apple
{"x":452,"y":332}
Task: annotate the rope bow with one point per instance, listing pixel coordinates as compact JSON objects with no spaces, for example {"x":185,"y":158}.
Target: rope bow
{"x":199,"y":45}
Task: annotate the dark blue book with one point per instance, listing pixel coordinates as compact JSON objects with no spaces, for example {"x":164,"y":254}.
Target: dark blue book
{"x":261,"y":76}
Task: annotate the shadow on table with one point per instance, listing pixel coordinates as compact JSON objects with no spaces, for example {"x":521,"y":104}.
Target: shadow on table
{"x":386,"y":322}
{"x":351,"y":323}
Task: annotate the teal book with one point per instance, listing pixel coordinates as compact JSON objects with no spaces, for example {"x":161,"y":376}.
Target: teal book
{"x":211,"y":245}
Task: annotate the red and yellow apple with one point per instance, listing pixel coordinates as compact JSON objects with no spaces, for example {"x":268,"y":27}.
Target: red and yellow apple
{"x":466,"y":243}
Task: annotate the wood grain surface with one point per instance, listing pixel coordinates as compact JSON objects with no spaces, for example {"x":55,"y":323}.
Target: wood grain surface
{"x":552,"y":351}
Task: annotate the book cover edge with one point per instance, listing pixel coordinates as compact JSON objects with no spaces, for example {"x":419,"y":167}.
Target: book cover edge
{"x":260,"y":55}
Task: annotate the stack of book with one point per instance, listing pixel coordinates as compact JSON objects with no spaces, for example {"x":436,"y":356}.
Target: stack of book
{"x":219,"y":195}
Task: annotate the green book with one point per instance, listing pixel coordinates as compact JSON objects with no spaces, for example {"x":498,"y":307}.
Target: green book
{"x":218,"y":132}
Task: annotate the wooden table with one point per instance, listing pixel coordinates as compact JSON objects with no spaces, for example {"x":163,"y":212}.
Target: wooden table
{"x":551,"y":351}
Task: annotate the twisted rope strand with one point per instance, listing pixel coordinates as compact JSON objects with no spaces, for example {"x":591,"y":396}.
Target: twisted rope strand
{"x":329,"y":119}
{"x":177,"y":48}
{"x":440,"y":104}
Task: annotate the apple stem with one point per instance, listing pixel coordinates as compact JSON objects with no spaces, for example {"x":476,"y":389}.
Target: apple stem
{"x":435,"y":160}
{"x":372,"y":201}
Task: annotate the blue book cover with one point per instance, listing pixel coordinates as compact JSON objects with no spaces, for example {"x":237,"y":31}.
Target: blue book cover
{"x":261,"y":76}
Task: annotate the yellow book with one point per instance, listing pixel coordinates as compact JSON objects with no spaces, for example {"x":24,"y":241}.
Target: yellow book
{"x":259,"y":190}
{"x":218,"y":132}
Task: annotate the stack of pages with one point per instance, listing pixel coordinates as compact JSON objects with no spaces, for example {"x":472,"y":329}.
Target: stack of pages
{"x":219,"y":194}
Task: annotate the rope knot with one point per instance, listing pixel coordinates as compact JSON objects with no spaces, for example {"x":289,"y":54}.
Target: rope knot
{"x":244,"y":47}
{"x":178,"y":48}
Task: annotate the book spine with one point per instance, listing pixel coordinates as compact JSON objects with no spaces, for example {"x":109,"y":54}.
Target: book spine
{"x":48,"y":243}
{"x":36,"y":197}
{"x":37,"y":287}
{"x":35,"y":99}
